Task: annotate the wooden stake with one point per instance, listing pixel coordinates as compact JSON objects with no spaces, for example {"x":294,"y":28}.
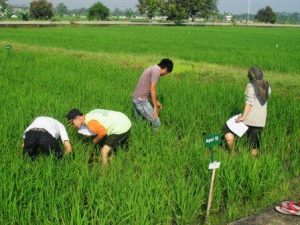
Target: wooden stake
{"x":210,"y":195}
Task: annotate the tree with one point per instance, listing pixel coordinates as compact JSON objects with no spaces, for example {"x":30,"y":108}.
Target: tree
{"x":3,"y":7}
{"x":175,"y":10}
{"x":203,"y":8}
{"x":98,"y":11}
{"x":266,"y":15}
{"x":61,"y":9}
{"x":128,"y":13}
{"x":149,"y":7}
{"x":24,"y":16}
{"x":178,"y":9}
{"x":117,"y":12}
{"x":8,"y":12}
{"x":41,"y":9}
{"x":294,"y":17}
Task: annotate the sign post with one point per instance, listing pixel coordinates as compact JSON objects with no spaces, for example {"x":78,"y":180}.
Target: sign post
{"x":8,"y":49}
{"x":211,"y":141}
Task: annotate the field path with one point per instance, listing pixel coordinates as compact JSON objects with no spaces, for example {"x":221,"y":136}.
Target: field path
{"x":270,"y":216}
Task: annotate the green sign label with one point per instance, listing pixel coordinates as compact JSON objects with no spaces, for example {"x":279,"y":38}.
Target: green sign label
{"x":212,"y":140}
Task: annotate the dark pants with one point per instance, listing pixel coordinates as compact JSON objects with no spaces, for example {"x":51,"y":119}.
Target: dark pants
{"x":117,"y":140}
{"x":41,"y":141}
{"x":253,"y":135}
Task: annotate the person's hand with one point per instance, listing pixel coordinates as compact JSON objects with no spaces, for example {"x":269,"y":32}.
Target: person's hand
{"x":155,"y":113}
{"x":239,"y":119}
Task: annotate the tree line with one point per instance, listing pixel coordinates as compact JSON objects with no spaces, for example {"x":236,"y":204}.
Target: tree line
{"x":174,"y":10}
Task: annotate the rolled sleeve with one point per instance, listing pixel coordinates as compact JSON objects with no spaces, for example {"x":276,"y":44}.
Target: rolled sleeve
{"x":250,"y":95}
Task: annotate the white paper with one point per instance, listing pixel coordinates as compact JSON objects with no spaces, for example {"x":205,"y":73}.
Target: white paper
{"x":238,"y":128}
{"x":85,"y":131}
{"x":214,"y":165}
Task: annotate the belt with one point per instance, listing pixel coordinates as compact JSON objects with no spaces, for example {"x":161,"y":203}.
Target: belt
{"x":38,"y":129}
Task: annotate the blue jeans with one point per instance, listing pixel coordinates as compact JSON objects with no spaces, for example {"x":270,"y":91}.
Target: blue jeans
{"x":145,"y":109}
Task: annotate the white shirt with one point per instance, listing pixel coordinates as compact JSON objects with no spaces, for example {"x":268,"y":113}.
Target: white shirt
{"x":54,"y":127}
{"x":258,"y":113}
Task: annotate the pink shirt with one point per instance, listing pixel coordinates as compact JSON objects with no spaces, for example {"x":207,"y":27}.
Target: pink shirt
{"x":142,"y":90}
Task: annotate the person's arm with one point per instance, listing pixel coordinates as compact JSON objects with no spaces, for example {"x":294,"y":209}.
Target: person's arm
{"x":247,"y":109}
{"x":98,"y":129}
{"x":250,"y":98}
{"x":68,"y":147}
{"x":65,"y":138}
{"x":155,"y":102}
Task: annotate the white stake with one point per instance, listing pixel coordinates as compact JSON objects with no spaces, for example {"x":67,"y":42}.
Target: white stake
{"x":210,"y":194}
{"x":212,"y":166}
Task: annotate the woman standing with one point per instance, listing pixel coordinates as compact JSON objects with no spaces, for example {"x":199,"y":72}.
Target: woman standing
{"x":255,"y":111}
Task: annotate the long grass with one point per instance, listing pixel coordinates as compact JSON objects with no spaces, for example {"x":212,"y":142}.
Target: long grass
{"x":163,"y":178}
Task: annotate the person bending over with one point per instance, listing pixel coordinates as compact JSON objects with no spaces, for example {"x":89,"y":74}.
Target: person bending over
{"x":42,"y":135}
{"x":113,"y":127}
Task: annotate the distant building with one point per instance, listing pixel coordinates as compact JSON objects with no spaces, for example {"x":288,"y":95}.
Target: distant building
{"x":228,"y":18}
{"x":160,"y":18}
{"x":140,"y":17}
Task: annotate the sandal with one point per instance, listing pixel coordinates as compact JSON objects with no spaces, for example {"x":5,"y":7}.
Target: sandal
{"x":289,"y":208}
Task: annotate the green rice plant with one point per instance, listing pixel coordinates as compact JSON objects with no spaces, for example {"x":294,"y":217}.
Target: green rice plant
{"x":163,"y":178}
{"x":272,"y":49}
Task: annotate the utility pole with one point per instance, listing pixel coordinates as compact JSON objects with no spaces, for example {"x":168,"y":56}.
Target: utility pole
{"x":249,"y":1}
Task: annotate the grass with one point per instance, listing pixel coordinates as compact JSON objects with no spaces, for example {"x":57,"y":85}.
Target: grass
{"x":238,"y":47}
{"x":163,"y":178}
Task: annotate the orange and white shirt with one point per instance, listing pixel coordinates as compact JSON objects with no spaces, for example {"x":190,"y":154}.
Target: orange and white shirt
{"x":106,"y":122}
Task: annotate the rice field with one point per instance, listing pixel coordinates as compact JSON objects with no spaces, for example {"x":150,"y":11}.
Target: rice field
{"x":163,"y":178}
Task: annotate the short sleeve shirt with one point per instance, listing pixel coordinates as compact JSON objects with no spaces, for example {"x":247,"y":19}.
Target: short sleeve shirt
{"x":52,"y":126}
{"x":142,"y":90}
{"x":111,"y":121}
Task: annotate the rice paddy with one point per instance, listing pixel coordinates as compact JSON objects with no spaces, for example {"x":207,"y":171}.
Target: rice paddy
{"x":163,"y":178}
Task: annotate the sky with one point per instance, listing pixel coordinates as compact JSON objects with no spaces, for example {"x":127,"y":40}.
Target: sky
{"x":230,"y":6}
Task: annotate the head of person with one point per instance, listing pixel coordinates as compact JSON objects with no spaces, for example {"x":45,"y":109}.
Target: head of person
{"x":261,"y":87}
{"x":255,"y":73}
{"x":166,"y":66}
{"x":75,"y":117}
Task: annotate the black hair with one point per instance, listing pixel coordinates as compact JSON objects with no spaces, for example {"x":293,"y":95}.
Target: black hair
{"x":166,"y":63}
{"x":255,"y":73}
{"x":73,"y":113}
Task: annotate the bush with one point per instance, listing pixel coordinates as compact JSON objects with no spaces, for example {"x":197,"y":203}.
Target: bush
{"x":24,"y":16}
{"x":98,"y":12}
